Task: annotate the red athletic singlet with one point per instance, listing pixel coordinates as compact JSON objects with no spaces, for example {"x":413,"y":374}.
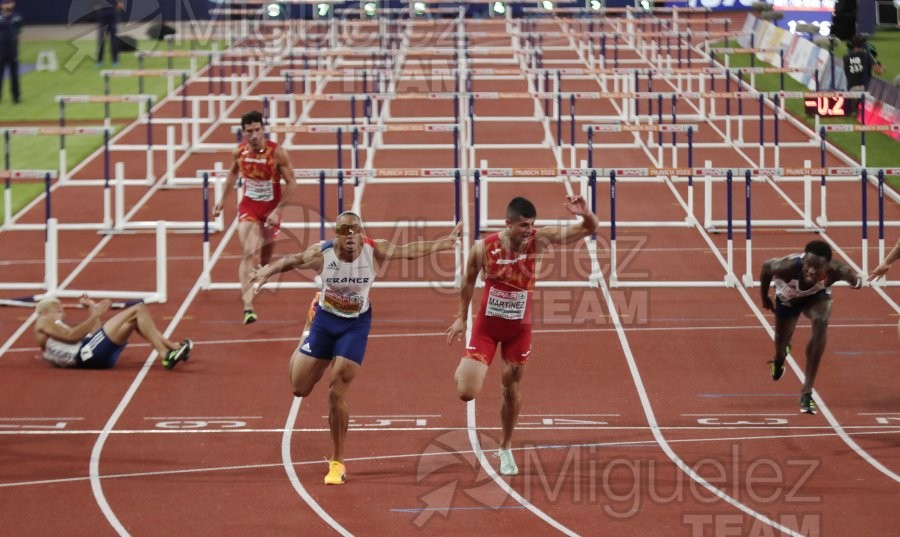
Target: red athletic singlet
{"x":261,"y":181}
{"x":505,"y":313}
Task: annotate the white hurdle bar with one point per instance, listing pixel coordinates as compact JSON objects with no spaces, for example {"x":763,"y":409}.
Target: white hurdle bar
{"x":50,"y":285}
{"x":62,"y":132}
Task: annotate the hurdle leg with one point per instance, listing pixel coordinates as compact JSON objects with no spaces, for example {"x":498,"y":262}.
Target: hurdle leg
{"x":151,"y":177}
{"x":707,"y":198}
{"x":170,"y":154}
{"x":807,"y":197}
{"x":161,"y":247}
{"x":63,"y":167}
{"x":51,"y":257}
{"x":107,"y":208}
{"x":613,"y":259}
{"x":7,"y":204}
{"x":120,"y":196}
{"x":195,"y":120}
{"x":218,"y":185}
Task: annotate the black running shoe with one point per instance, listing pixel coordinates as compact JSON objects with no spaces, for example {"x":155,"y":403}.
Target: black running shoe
{"x":807,"y":405}
{"x":181,"y":354}
{"x":777,"y":370}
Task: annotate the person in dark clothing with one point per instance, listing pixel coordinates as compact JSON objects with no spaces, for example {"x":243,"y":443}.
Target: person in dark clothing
{"x":858,"y":66}
{"x":10,"y":28}
{"x":107,"y":18}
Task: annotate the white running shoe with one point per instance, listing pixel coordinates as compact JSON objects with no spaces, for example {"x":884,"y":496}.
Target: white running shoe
{"x":507,"y":462}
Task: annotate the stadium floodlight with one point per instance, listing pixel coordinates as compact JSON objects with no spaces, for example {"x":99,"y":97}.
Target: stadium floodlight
{"x":596,"y":5}
{"x":499,"y":8}
{"x":370,"y":8}
{"x":420,"y":8}
{"x":323,"y":9}
{"x":273,"y":10}
{"x":547,"y":4}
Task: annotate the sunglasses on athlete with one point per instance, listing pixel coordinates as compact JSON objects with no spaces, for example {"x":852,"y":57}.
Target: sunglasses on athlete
{"x":348,"y":229}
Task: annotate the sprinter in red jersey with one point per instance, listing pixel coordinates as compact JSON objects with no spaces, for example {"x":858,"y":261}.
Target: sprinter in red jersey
{"x":508,"y":261}
{"x":263,"y":166}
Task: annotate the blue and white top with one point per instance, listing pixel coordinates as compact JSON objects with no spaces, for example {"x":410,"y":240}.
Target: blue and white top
{"x":790,"y":290}
{"x":345,"y":286}
{"x":60,"y":353}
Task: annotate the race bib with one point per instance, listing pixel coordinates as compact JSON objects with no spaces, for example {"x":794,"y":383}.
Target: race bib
{"x":259,"y":190}
{"x":345,"y":306}
{"x":506,"y":304}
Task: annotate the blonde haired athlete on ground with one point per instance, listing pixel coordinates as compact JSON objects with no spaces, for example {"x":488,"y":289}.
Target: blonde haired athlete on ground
{"x":95,"y":345}
{"x":508,"y":260}
{"x":340,"y":326}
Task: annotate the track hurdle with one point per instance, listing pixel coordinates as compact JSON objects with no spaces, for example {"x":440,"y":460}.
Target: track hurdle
{"x":337,"y":177}
{"x":62,"y":132}
{"x":374,"y":131}
{"x":8,"y":176}
{"x":170,"y":74}
{"x":145,"y":107}
{"x":50,"y":286}
{"x":659,"y":128}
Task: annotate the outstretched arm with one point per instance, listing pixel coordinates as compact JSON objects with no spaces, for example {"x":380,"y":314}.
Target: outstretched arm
{"x":569,"y":234}
{"x":229,"y":184}
{"x":842,"y":272}
{"x":473,"y":267}
{"x":287,"y":174}
{"x":311,"y":258}
{"x":882,"y":268}
{"x":385,"y":250}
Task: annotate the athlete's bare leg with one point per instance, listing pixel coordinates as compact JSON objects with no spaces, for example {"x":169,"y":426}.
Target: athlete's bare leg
{"x":784,"y":331}
{"x":343,"y":371}
{"x":305,"y":372}
{"x":818,"y":314}
{"x":137,"y":318}
{"x":470,"y":378}
{"x":512,"y":401}
{"x":251,"y":244}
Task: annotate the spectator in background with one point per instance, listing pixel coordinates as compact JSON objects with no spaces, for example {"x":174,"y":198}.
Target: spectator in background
{"x":10,"y":28}
{"x":107,"y":19}
{"x":858,"y":66}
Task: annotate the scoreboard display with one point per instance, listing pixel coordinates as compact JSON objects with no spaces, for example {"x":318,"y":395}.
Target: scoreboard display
{"x":825,"y":106}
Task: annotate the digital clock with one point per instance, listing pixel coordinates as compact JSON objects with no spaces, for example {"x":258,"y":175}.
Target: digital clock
{"x":825,"y":106}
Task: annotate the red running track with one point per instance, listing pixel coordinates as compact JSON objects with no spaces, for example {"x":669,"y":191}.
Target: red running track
{"x":647,"y":410}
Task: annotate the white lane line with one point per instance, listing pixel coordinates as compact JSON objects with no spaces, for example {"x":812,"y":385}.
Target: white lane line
{"x":291,"y":471}
{"x":399,"y":456}
{"x":279,"y":430}
{"x":511,"y":492}
{"x":657,"y":433}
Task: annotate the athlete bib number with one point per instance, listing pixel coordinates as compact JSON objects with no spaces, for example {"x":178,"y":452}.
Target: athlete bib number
{"x":506,"y":304}
{"x":259,"y":190}
{"x":344,"y":306}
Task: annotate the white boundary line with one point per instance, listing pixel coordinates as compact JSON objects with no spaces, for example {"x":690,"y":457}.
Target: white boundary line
{"x":291,"y":471}
{"x":657,"y":432}
{"x":636,"y":443}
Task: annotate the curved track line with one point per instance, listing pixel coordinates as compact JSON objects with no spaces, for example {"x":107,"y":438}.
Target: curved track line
{"x":829,"y":417}
{"x":291,"y":472}
{"x":479,"y":453}
{"x":657,"y":432}
{"x":94,"y":467}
